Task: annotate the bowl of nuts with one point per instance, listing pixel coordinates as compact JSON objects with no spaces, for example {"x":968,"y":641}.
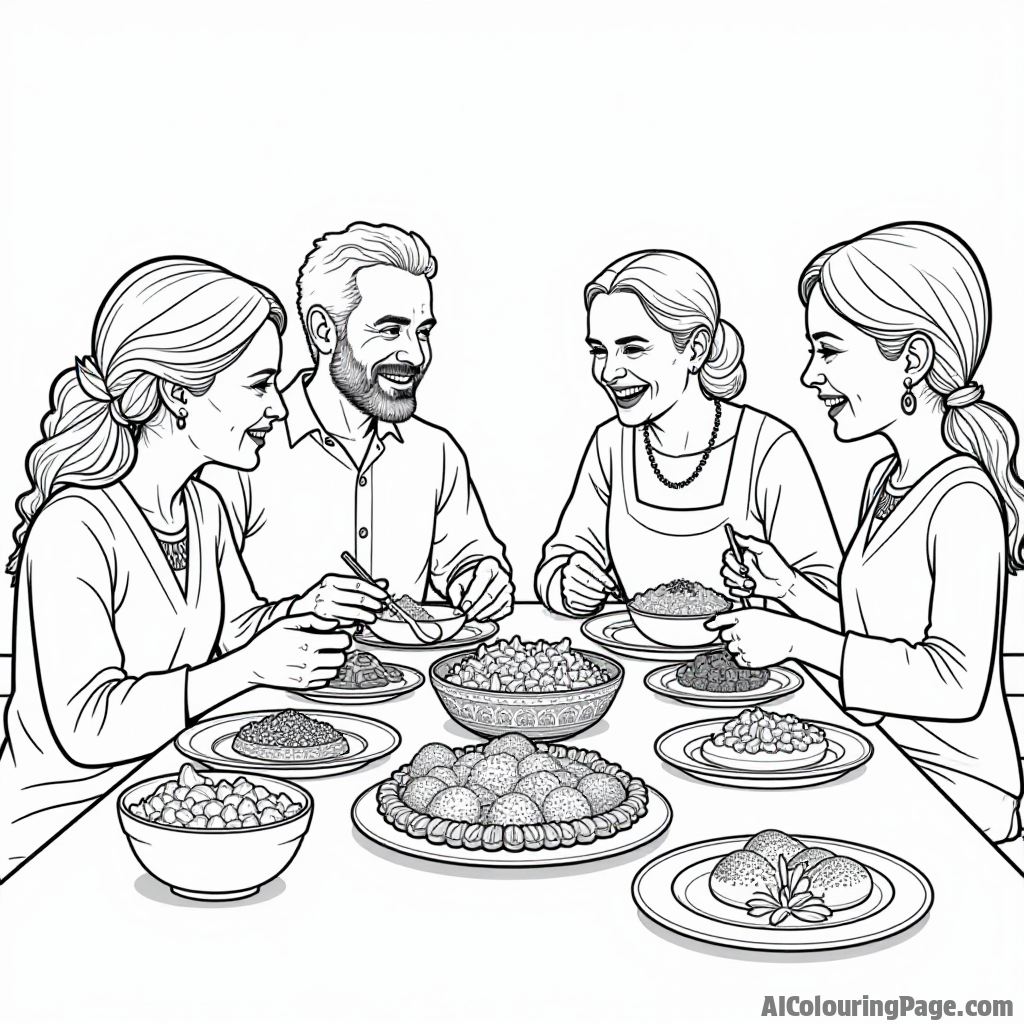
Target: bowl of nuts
{"x":216,"y":835}
{"x":541,"y":689}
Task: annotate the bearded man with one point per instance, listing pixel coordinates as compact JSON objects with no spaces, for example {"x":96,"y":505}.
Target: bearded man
{"x":352,"y":468}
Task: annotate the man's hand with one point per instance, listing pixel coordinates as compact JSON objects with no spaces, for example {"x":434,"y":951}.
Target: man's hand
{"x":346,"y":600}
{"x":483,"y":592}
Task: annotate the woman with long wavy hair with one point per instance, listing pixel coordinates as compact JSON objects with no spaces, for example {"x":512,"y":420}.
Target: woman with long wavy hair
{"x":129,"y":584}
{"x":898,"y":320}
{"x":681,"y":457}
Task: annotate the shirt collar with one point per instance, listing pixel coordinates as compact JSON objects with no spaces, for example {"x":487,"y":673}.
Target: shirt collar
{"x":302,"y":420}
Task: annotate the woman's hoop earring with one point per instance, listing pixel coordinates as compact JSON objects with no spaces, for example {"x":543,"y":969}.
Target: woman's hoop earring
{"x":908,"y":403}
{"x":181,"y":419}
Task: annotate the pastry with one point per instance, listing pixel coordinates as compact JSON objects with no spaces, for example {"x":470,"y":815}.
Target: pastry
{"x":763,"y":739}
{"x":502,"y":807}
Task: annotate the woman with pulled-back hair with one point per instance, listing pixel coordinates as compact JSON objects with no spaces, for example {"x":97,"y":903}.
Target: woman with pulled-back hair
{"x":128,"y":578}
{"x":898,"y":320}
{"x":681,"y":458}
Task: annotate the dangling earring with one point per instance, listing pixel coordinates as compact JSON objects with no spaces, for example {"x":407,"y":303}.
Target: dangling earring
{"x":908,"y":403}
{"x":181,"y":418}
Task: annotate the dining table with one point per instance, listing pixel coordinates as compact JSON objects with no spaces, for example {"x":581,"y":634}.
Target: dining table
{"x":352,"y":930}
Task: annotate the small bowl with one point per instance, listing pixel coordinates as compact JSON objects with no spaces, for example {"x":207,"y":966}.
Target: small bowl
{"x":398,"y":631}
{"x":674,"y":630}
{"x":538,"y":716}
{"x":217,"y":864}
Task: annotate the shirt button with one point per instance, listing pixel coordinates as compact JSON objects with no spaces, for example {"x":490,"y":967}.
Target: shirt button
{"x":362,"y":481}
{"x":329,"y":441}
{"x":363,"y":533}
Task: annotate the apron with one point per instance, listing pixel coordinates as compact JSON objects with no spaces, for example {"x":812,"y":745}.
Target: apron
{"x":650,"y":545}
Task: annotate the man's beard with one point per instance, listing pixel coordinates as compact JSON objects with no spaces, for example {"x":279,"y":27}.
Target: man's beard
{"x":357,"y":385}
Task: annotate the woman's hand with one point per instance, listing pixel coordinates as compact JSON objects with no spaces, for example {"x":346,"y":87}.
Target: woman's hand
{"x":754,"y":637}
{"x":301,"y":652}
{"x":762,"y":573}
{"x":585,"y":585}
{"x":344,"y":600}
{"x":483,"y":592}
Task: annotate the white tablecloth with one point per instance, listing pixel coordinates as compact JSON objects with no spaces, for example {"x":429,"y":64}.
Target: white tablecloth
{"x":352,"y":931}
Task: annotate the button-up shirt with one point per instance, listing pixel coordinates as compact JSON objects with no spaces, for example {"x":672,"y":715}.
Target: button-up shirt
{"x":408,"y":512}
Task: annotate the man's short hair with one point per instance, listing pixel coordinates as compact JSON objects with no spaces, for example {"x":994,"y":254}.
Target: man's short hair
{"x":327,"y":278}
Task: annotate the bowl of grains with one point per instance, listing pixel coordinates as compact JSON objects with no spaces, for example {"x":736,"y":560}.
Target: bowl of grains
{"x":673,"y":614}
{"x":393,"y":629}
{"x":545,"y":690}
{"x":214,"y":835}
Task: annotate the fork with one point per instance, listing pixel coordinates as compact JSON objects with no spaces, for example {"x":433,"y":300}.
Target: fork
{"x":417,"y":627}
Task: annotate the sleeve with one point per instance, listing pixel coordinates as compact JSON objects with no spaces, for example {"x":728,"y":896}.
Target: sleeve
{"x":99,"y":715}
{"x":945,"y":676}
{"x":790,"y":504}
{"x":462,"y":535}
{"x":582,"y":526}
{"x":245,"y":612}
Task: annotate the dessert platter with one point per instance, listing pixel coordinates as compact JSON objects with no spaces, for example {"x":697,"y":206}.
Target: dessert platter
{"x":511,"y":803}
{"x":773,"y":891}
{"x":290,"y":743}
{"x":760,"y":749}
{"x":714,"y":679}
{"x":545,"y":690}
{"x":365,"y":679}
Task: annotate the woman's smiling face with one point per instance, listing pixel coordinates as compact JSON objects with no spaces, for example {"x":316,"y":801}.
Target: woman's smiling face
{"x":859,"y":386}
{"x":635,"y":361}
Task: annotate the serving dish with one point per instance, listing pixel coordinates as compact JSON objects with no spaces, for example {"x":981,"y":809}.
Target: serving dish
{"x":781,"y":683}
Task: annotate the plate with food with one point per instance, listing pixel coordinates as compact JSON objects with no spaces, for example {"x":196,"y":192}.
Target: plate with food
{"x":389,"y":630}
{"x":773,"y":891}
{"x":713,"y":679}
{"x":673,"y":614}
{"x":290,"y":744}
{"x":544,"y":689}
{"x":365,"y":679}
{"x":615,"y":631}
{"x":760,"y":749}
{"x":511,"y":803}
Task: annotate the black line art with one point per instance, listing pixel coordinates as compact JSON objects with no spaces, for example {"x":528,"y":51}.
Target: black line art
{"x":409,"y":512}
{"x":898,"y":321}
{"x":691,"y":749}
{"x":134,"y":614}
{"x":511,"y":803}
{"x":680,"y":458}
{"x":245,"y":830}
{"x":809,"y":893}
{"x":543,"y":691}
{"x":714,"y":689}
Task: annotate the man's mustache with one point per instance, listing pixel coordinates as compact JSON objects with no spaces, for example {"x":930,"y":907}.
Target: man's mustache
{"x":398,"y":370}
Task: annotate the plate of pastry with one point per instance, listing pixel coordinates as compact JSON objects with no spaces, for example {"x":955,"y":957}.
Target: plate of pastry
{"x":365,"y":679}
{"x":713,"y":679}
{"x":784,"y":893}
{"x":760,"y":749}
{"x":289,"y":744}
{"x":617,"y":632}
{"x":511,"y":803}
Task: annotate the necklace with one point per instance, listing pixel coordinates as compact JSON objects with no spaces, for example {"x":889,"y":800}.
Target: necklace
{"x":887,"y":500}
{"x":675,"y":485}
{"x":175,"y":549}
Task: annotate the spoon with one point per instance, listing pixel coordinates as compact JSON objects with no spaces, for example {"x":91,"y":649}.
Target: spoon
{"x":417,"y":627}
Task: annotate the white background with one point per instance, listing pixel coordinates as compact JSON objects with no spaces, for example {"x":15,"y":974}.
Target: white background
{"x":530,"y":144}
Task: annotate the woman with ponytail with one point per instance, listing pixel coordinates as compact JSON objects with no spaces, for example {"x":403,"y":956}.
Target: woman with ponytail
{"x":128,"y":578}
{"x":898,"y":320}
{"x":681,"y":458}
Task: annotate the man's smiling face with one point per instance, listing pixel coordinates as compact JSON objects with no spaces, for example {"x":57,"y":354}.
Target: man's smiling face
{"x":384,"y":349}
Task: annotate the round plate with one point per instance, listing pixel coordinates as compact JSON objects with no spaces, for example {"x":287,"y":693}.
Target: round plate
{"x":411,"y":680}
{"x":209,"y":743}
{"x":781,"y":682}
{"x":673,"y":891}
{"x":615,"y":631}
{"x":682,"y":748}
{"x":472,"y":633}
{"x":373,"y":825}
